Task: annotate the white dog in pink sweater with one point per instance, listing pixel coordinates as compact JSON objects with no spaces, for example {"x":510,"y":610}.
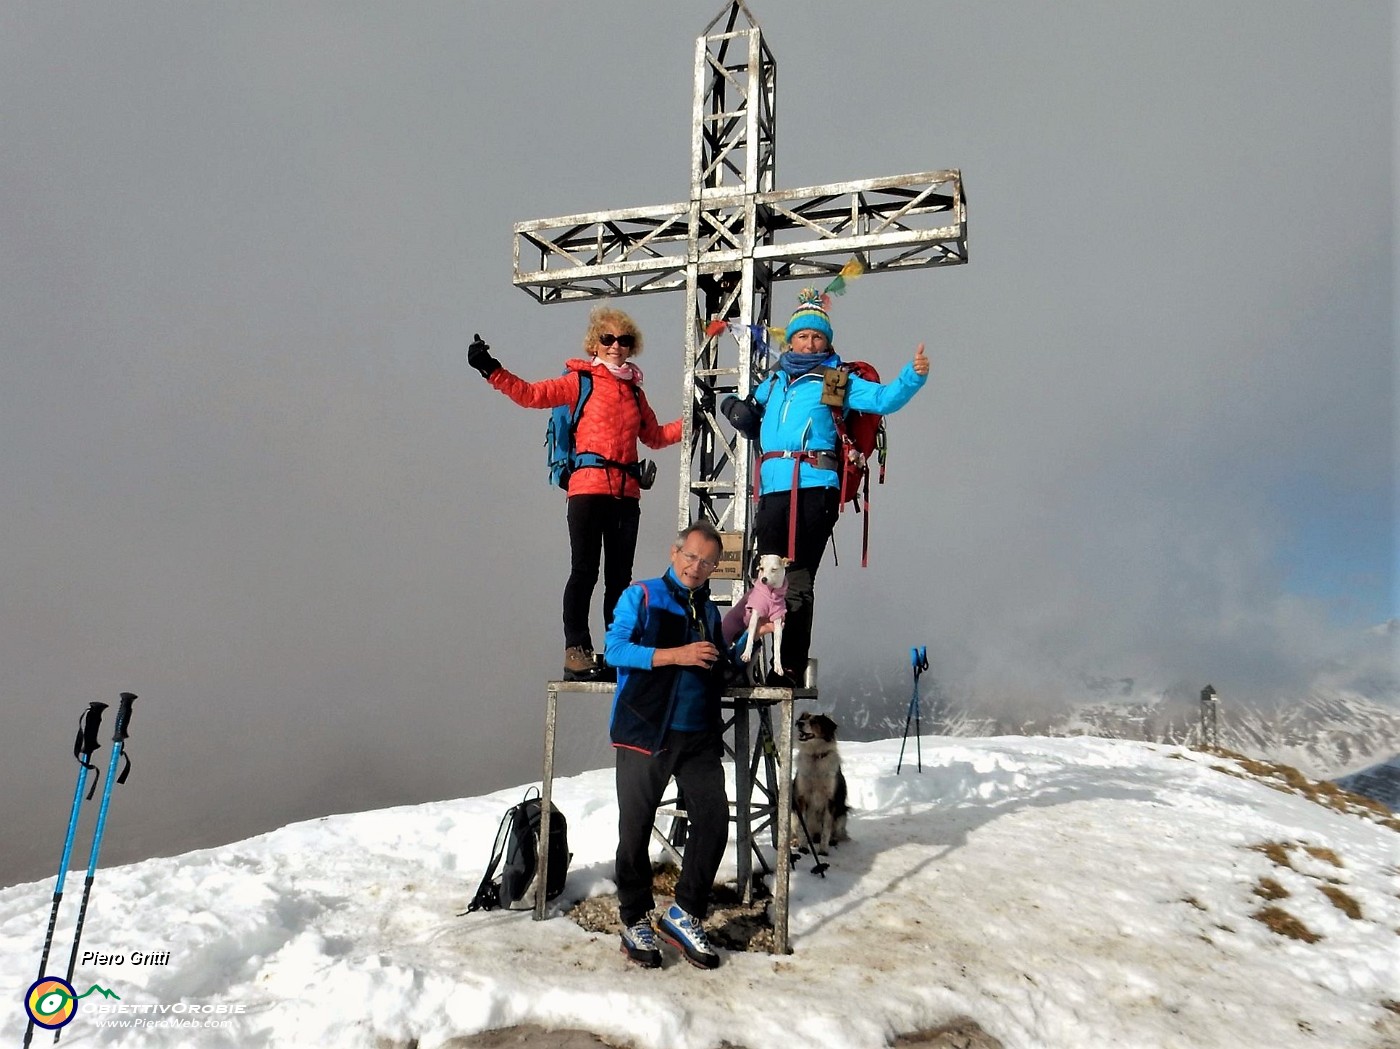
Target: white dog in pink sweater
{"x":766,"y":602}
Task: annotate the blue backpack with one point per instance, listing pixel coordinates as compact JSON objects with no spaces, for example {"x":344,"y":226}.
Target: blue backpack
{"x":561,"y":456}
{"x":559,"y":450}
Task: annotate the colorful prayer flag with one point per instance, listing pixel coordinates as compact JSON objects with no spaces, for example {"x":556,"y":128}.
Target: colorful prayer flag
{"x":853,"y":269}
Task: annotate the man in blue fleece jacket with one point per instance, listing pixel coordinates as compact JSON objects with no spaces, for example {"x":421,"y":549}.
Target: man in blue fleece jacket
{"x":666,"y":644}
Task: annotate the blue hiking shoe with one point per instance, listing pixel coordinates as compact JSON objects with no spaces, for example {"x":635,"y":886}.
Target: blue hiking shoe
{"x":684,"y":932}
{"x":639,"y":944}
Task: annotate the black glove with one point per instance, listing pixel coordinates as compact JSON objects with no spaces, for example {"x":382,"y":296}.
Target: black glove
{"x":745,"y":416}
{"x":479,"y":357}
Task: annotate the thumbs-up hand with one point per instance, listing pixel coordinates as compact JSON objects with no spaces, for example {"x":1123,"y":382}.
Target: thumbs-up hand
{"x":479,"y":357}
{"x":920,"y":361}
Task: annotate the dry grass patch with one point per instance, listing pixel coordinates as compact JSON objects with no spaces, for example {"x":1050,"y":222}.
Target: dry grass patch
{"x":962,"y":1033}
{"x":1279,"y":921}
{"x":1268,"y":889}
{"x":1269,"y":770}
{"x":1343,"y":902}
{"x":1322,"y":792}
{"x":1318,"y":852}
{"x":1277,"y":851}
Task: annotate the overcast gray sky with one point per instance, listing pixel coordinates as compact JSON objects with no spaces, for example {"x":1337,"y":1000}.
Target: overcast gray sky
{"x":248,"y":475}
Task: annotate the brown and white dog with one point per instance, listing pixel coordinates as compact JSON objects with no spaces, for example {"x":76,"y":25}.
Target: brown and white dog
{"x":819,"y":788}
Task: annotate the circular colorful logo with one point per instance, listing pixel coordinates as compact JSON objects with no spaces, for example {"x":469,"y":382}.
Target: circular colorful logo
{"x":51,"y":1002}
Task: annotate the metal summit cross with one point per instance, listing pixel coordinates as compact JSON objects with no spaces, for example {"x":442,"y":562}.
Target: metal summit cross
{"x":726,"y":246}
{"x":729,"y":242}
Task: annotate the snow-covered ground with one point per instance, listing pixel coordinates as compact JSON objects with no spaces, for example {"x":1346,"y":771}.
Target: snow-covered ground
{"x":1060,"y":892}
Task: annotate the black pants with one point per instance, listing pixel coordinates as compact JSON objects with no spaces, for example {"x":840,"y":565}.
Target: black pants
{"x":817,"y":511}
{"x":694,"y":759}
{"x":601,"y":528}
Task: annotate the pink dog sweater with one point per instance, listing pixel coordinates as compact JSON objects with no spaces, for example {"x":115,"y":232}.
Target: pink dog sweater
{"x":763,"y":599}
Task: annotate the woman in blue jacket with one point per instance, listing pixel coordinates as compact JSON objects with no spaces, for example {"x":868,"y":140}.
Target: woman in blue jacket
{"x":800,"y":449}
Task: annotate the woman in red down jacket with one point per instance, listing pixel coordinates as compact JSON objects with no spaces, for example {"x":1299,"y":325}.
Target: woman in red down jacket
{"x":604,"y":505}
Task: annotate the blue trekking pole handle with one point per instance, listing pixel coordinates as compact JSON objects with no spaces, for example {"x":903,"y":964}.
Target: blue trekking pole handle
{"x":84,"y":745}
{"x":920,"y":665}
{"x":119,"y":734}
{"x":123,"y":717}
{"x":918,"y":657}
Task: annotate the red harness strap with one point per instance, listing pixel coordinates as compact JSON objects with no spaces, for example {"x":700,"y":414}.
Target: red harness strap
{"x":820,"y":459}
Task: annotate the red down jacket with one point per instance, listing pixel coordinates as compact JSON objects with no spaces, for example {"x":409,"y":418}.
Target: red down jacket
{"x":612,"y":422}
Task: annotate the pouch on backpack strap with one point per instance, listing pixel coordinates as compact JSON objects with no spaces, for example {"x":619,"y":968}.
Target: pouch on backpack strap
{"x":836,"y":384}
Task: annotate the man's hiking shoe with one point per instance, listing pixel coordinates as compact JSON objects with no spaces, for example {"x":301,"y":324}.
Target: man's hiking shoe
{"x":580,"y":664}
{"x":684,"y":932}
{"x":639,"y":944}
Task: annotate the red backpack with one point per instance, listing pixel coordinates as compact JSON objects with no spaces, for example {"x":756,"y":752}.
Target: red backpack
{"x":859,"y":434}
{"x":862,"y":435}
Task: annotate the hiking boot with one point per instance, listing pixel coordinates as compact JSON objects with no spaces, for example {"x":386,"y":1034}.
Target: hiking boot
{"x":580,"y":664}
{"x":684,"y":932}
{"x":639,"y":944}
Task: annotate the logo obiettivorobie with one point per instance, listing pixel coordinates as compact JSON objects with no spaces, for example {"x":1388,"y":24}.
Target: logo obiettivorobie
{"x":51,"y":1002}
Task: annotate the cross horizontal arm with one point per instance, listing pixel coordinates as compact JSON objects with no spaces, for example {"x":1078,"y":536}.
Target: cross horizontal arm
{"x":902,"y":222}
{"x":624,"y":252}
{"x":899,"y":222}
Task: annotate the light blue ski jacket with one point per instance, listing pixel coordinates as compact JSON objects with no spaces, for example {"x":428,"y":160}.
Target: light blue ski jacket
{"x":795,"y":420}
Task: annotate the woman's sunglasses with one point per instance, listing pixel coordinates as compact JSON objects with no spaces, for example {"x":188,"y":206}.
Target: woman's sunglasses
{"x":625,"y":341}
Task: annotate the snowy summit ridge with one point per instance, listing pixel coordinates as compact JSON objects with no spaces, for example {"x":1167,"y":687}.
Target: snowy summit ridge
{"x":1058,"y":892}
{"x":1326,"y":731}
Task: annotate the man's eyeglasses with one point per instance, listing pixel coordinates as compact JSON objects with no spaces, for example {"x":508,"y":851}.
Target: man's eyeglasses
{"x":625,"y":341}
{"x":692,"y":559}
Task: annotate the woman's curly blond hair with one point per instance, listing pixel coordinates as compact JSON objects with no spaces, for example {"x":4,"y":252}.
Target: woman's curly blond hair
{"x":610,"y":318}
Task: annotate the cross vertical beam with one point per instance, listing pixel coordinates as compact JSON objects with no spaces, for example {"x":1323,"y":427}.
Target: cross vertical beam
{"x":733,"y":160}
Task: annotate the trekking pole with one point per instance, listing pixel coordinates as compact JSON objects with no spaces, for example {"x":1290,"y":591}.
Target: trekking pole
{"x":820,"y":867}
{"x":919,"y":658}
{"x":83,"y":746}
{"x":118,"y":742}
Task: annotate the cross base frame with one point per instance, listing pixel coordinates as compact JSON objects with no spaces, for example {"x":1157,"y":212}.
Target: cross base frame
{"x":762,"y":763}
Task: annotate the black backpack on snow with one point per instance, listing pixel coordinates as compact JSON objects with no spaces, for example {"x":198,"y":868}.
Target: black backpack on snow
{"x":517,"y":844}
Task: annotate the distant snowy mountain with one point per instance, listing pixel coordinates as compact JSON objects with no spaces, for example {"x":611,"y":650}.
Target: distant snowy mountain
{"x":1380,"y":782}
{"x":1325,"y":733}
